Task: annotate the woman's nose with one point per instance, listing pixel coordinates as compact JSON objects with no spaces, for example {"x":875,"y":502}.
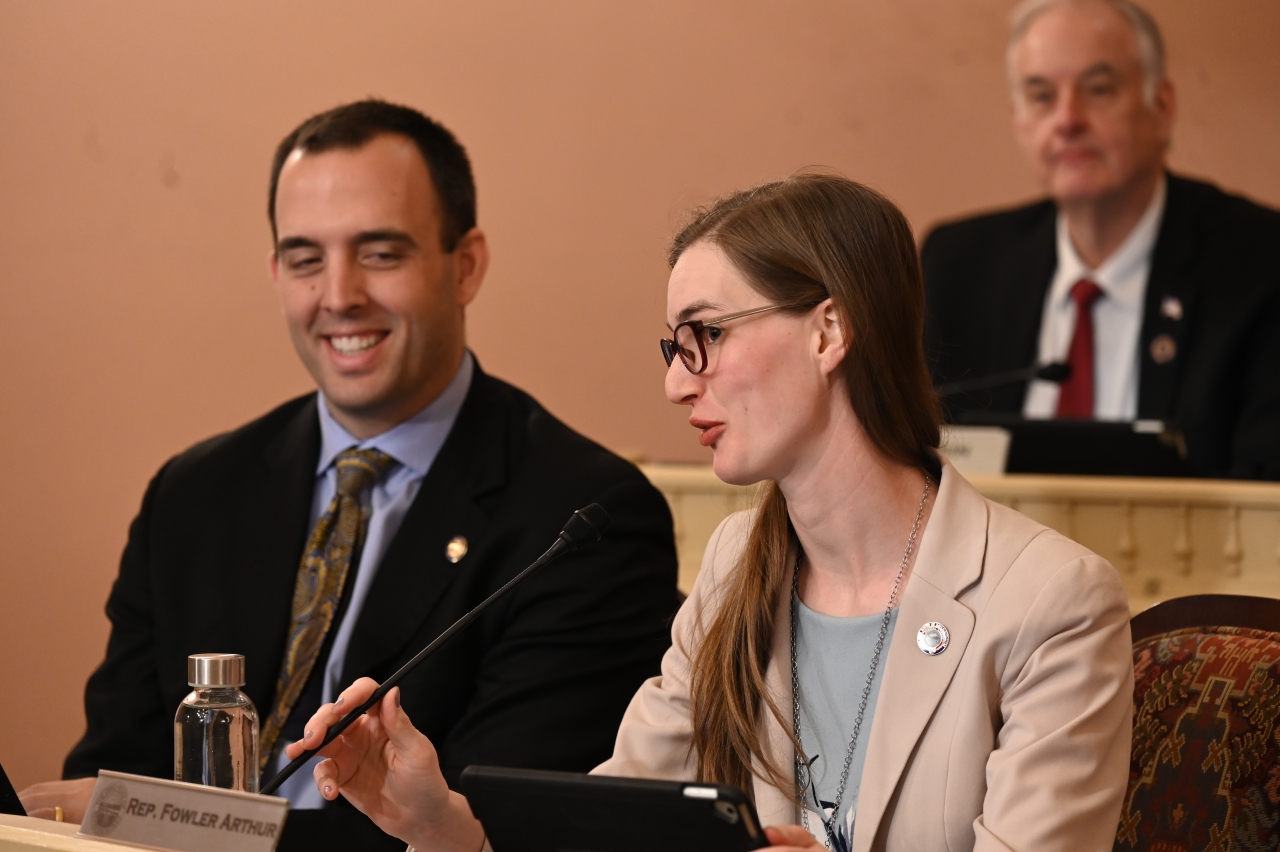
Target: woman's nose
{"x":680,"y":385}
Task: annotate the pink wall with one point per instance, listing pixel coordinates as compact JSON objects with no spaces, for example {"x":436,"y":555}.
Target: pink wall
{"x":134,"y":144}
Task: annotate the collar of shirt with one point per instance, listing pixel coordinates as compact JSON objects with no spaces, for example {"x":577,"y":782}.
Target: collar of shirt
{"x":413,"y":443}
{"x":1118,"y":276}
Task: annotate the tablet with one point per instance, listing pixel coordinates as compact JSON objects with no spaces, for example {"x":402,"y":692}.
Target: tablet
{"x":9,"y":802}
{"x":528,"y":811}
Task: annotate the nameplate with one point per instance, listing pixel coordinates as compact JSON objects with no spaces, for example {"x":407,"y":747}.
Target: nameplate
{"x":976,"y":450}
{"x":159,"y":814}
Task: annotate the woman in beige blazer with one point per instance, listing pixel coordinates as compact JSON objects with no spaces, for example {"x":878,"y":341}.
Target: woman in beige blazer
{"x":982,"y":674}
{"x":1015,"y":737}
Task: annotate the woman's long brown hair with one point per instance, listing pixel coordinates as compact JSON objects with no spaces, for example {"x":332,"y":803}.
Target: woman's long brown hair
{"x":797,"y":242}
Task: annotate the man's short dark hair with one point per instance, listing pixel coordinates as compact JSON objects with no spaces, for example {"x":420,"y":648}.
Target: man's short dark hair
{"x":353,"y":125}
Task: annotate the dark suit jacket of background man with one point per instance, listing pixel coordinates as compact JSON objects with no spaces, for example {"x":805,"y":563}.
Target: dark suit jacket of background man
{"x":1218,"y":254}
{"x":540,"y":680}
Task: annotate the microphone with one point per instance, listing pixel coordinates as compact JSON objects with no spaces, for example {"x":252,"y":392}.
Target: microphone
{"x":1056,"y":372}
{"x":585,"y":526}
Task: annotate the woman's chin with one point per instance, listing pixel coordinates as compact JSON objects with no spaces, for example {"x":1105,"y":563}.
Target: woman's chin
{"x":731,"y":473}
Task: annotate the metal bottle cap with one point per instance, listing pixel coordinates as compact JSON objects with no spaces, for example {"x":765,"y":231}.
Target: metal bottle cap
{"x":215,"y":670}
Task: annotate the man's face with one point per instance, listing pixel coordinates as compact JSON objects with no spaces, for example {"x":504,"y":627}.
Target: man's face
{"x":373,"y":303}
{"x":1079,"y":111}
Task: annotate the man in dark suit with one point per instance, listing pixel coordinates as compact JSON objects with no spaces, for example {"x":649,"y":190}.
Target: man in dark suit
{"x":467,"y":480}
{"x":1162,"y":293}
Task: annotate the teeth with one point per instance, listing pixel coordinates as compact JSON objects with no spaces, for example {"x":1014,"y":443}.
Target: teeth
{"x":350,"y":344}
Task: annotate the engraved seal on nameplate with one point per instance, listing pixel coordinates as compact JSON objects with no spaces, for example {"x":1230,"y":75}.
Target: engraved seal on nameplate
{"x":185,"y":817}
{"x":108,"y":807}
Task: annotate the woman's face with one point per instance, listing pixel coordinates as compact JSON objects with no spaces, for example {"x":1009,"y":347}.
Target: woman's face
{"x":764,"y":398}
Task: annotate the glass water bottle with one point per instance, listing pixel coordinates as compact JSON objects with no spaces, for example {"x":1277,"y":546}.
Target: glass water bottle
{"x":215,"y":732}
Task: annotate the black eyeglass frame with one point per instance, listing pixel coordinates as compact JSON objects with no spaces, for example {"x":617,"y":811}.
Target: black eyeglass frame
{"x":671,"y":349}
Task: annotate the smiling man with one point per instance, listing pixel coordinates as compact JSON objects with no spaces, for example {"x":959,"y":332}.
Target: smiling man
{"x":1162,"y":293}
{"x":339,"y":534}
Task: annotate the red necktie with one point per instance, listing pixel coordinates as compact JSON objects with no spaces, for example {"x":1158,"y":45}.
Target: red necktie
{"x":1075,"y":398}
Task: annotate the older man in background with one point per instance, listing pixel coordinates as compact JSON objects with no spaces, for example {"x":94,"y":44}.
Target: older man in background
{"x":1160,"y":292}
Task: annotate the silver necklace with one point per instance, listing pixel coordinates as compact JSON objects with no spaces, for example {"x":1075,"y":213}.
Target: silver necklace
{"x":803,"y":775}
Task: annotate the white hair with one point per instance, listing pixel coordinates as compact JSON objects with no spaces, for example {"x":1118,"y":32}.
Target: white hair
{"x":1150,"y":42}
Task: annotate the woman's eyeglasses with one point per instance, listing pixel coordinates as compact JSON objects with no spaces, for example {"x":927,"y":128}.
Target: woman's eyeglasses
{"x":689,"y":339}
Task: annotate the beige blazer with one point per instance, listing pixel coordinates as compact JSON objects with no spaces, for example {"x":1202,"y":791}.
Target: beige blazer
{"x":1015,"y":737}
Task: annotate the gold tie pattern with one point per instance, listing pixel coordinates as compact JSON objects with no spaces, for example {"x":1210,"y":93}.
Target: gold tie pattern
{"x":321,"y":576}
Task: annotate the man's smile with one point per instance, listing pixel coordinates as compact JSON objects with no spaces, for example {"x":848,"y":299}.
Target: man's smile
{"x":354,"y":344}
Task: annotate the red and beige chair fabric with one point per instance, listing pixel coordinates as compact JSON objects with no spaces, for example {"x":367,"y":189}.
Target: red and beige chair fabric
{"x":1205,"y":772}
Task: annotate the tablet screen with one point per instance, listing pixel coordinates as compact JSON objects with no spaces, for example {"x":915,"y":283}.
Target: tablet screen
{"x":529,"y":811}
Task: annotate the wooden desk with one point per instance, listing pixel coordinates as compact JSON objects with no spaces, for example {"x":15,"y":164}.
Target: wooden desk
{"x":23,"y":834}
{"x":1167,"y":537}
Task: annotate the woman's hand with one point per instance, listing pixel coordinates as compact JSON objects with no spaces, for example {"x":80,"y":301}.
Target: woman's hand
{"x":385,"y":767}
{"x":790,"y":838}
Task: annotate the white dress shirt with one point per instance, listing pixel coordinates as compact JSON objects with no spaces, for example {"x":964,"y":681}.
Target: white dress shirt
{"x":1117,"y":319}
{"x":414,"y":444}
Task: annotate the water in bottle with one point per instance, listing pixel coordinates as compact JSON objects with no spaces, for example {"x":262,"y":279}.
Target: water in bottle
{"x":215,"y":732}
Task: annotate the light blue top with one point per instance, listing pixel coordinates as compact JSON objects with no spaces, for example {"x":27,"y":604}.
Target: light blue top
{"x":414,"y":445}
{"x":833,"y":656}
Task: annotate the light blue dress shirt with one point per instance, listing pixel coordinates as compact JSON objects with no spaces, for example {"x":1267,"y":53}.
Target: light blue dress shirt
{"x":414,"y":445}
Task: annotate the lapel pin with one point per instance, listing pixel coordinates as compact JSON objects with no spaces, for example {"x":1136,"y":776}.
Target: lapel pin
{"x":1163,"y":349}
{"x":456,"y":548}
{"x":933,"y":638}
{"x":1171,"y":307}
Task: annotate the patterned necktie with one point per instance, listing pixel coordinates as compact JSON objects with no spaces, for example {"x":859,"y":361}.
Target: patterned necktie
{"x":1075,"y":398}
{"x":334,"y":542}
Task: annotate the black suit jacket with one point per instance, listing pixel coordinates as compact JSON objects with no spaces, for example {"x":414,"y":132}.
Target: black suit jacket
{"x":1218,"y":254}
{"x":541,"y":680}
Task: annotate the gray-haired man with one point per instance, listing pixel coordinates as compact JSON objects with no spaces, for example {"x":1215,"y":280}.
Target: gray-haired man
{"x":1162,"y":293}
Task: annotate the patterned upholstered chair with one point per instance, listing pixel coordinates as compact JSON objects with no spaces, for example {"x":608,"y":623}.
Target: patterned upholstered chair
{"x":1205,"y":773}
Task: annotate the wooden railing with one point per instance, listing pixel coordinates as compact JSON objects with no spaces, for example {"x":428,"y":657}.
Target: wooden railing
{"x":1167,"y":537}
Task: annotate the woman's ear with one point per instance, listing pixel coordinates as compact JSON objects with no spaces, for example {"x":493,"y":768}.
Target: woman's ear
{"x":831,"y":342}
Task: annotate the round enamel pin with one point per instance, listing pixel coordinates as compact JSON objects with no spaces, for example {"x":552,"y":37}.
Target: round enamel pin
{"x":933,"y":638}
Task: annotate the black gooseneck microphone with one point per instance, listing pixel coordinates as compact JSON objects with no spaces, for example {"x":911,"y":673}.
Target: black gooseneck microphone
{"x":584,"y":527}
{"x":1053,"y":372}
